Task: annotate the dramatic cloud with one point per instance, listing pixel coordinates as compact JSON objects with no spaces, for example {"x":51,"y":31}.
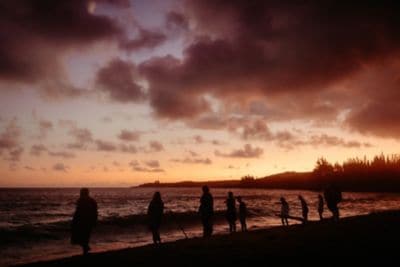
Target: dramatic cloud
{"x":378,"y":108}
{"x":61,"y":167}
{"x":145,"y":39}
{"x":256,"y":130}
{"x":247,"y":152}
{"x":117,"y":80}
{"x":35,"y":34}
{"x":176,"y":21}
{"x":291,"y":56}
{"x":129,"y":136}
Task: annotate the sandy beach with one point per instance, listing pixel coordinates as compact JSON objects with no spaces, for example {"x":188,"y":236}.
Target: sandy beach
{"x":361,"y":240}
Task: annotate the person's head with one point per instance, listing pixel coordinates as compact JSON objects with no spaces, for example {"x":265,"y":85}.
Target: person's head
{"x":283,"y":199}
{"x":239,"y":199}
{"x":157,"y":196}
{"x":84,"y":192}
{"x":300,"y":197}
{"x":206,"y":189}
{"x":230,"y":194}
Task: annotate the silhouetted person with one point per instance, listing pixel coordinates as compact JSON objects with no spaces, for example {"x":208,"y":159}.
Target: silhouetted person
{"x":242,"y":214}
{"x":304,"y":208}
{"x":332,"y":197}
{"x":206,"y":211}
{"x":284,"y":211}
{"x":85,"y":218}
{"x":320,"y":207}
{"x":231,"y":216}
{"x":155,"y":213}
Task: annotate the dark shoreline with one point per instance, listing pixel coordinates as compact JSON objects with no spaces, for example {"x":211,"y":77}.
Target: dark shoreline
{"x":363,"y":240}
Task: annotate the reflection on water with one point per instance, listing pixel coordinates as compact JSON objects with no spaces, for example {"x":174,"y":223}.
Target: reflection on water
{"x":36,"y":221}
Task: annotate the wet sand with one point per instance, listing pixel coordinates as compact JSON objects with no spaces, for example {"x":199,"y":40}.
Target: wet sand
{"x":362,"y":240}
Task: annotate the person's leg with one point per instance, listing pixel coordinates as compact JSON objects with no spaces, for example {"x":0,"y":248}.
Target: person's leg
{"x":205,"y":228}
{"x":85,"y":249}
{"x":154,"y":235}
{"x":158,"y":235}
{"x":336,"y":214}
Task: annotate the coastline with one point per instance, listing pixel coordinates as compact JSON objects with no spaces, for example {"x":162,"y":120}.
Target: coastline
{"x":365,"y":239}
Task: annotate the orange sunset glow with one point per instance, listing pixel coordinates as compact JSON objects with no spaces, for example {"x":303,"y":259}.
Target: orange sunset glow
{"x":199,"y":133}
{"x":119,"y":93}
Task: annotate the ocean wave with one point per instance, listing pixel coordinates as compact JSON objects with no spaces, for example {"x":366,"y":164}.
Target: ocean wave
{"x":61,"y":229}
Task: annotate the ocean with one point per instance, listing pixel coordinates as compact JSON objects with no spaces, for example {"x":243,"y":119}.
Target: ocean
{"x":35,"y":223}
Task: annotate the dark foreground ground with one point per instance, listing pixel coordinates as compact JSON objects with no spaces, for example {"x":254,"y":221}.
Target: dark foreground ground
{"x":372,"y":240}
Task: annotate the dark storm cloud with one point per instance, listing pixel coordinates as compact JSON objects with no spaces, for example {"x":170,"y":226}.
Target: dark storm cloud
{"x":291,"y":52}
{"x":378,"y":109}
{"x":35,"y":34}
{"x":117,"y":80}
{"x":248,"y":151}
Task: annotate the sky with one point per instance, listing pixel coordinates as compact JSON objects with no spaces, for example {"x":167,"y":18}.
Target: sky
{"x":123,"y":92}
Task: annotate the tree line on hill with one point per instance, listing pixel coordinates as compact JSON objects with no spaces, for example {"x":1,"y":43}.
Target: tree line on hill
{"x":381,"y":174}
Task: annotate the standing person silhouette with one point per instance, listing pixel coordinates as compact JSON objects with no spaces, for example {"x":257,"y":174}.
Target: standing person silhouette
{"x":84,"y":219}
{"x":242,"y":214}
{"x":284,"y":211}
{"x":206,"y":211}
{"x":332,"y":197}
{"x":231,"y":212}
{"x":304,"y":209}
{"x":320,"y":207}
{"x":155,"y":213}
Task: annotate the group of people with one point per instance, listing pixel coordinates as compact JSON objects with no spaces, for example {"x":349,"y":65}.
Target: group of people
{"x":206,"y":211}
{"x":85,"y":216}
{"x":333,"y":197}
